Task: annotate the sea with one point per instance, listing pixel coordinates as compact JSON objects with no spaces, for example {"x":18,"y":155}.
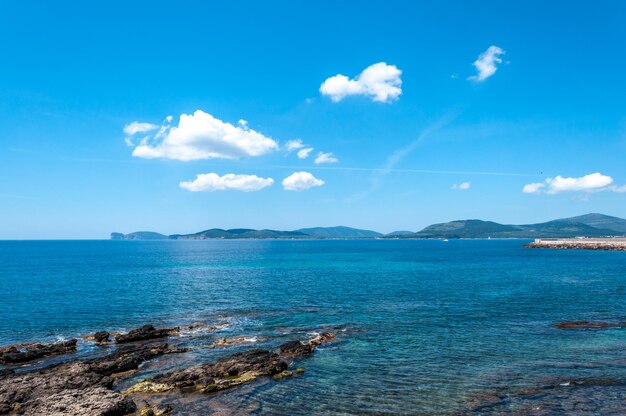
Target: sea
{"x":424,"y":327}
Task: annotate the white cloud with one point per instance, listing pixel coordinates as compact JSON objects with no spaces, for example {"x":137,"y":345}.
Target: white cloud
{"x":533,"y":188}
{"x":294,"y":144}
{"x":486,"y":63}
{"x":304,"y":153}
{"x":594,"y":182}
{"x":325,"y":158}
{"x":207,"y":182}
{"x":202,"y":136}
{"x":136,"y":127}
{"x":380,"y":82}
{"x":299,"y":181}
{"x":461,"y":186}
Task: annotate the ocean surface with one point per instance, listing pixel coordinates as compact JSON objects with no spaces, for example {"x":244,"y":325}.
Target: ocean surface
{"x":424,"y":327}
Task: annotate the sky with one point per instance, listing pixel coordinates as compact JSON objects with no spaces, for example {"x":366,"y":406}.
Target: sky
{"x":182,"y":116}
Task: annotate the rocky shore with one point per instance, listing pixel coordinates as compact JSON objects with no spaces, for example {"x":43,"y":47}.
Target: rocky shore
{"x":90,"y":386}
{"x":610,"y":244}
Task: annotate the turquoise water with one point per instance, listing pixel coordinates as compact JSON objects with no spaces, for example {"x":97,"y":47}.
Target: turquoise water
{"x":426,"y":327}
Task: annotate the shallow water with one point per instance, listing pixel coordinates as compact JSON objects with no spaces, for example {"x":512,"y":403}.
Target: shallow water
{"x":429,"y":327}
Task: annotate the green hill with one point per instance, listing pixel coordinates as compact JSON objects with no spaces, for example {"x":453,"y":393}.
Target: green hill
{"x":589,"y":225}
{"x":600,"y":221}
{"x":338,"y":232}
{"x":238,"y":233}
{"x":569,"y":227}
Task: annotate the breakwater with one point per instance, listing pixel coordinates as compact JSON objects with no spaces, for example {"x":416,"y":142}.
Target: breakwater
{"x":613,"y":244}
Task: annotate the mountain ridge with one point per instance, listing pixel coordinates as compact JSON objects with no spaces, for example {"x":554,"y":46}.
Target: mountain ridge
{"x":588,"y":225}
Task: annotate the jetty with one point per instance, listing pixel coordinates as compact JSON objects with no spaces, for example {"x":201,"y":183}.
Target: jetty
{"x":608,"y":243}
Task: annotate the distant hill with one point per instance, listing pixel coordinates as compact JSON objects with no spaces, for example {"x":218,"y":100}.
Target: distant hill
{"x":589,"y":225}
{"x":338,"y":232}
{"x":568,"y":227}
{"x":139,"y":235}
{"x":399,"y":233}
{"x":466,"y":229}
{"x":600,"y":221}
{"x":238,"y":233}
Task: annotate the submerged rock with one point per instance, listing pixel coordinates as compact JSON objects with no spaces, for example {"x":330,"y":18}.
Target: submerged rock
{"x":225,"y":373}
{"x":152,"y":410}
{"x":577,"y":396}
{"x":229,"y":342}
{"x":145,"y":333}
{"x":297,"y":348}
{"x":81,"y":387}
{"x":580,"y":325}
{"x":232,"y":370}
{"x":21,"y":353}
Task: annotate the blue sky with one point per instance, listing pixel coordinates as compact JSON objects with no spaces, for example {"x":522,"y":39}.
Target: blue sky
{"x":420,"y":138}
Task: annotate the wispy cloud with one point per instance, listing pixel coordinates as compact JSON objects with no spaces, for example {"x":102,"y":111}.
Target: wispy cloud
{"x":294,"y":144}
{"x":463,"y":186}
{"x":304,"y":153}
{"x":401,"y":153}
{"x":486,"y":63}
{"x":325,"y":158}
{"x":380,"y":82}
{"x":136,"y":127}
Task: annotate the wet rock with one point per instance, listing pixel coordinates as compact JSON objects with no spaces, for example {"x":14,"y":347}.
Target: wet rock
{"x":288,"y":373}
{"x":101,"y":337}
{"x":297,"y":348}
{"x":581,"y":325}
{"x":22,"y":353}
{"x":196,"y":325}
{"x":152,"y":410}
{"x":223,"y":374}
{"x":81,"y":387}
{"x":229,"y":342}
{"x":322,"y":338}
{"x":146,"y":332}
{"x":233,"y":370}
{"x":294,"y":348}
{"x":127,"y":359}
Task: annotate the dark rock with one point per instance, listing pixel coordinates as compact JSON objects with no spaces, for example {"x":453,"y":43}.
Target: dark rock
{"x":294,"y":348}
{"x":145,"y":333}
{"x":22,"y":353}
{"x":225,"y":373}
{"x":81,"y":387}
{"x":580,"y":325}
{"x":233,"y":370}
{"x":127,"y":359}
{"x":4,"y":372}
{"x":101,"y":336}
